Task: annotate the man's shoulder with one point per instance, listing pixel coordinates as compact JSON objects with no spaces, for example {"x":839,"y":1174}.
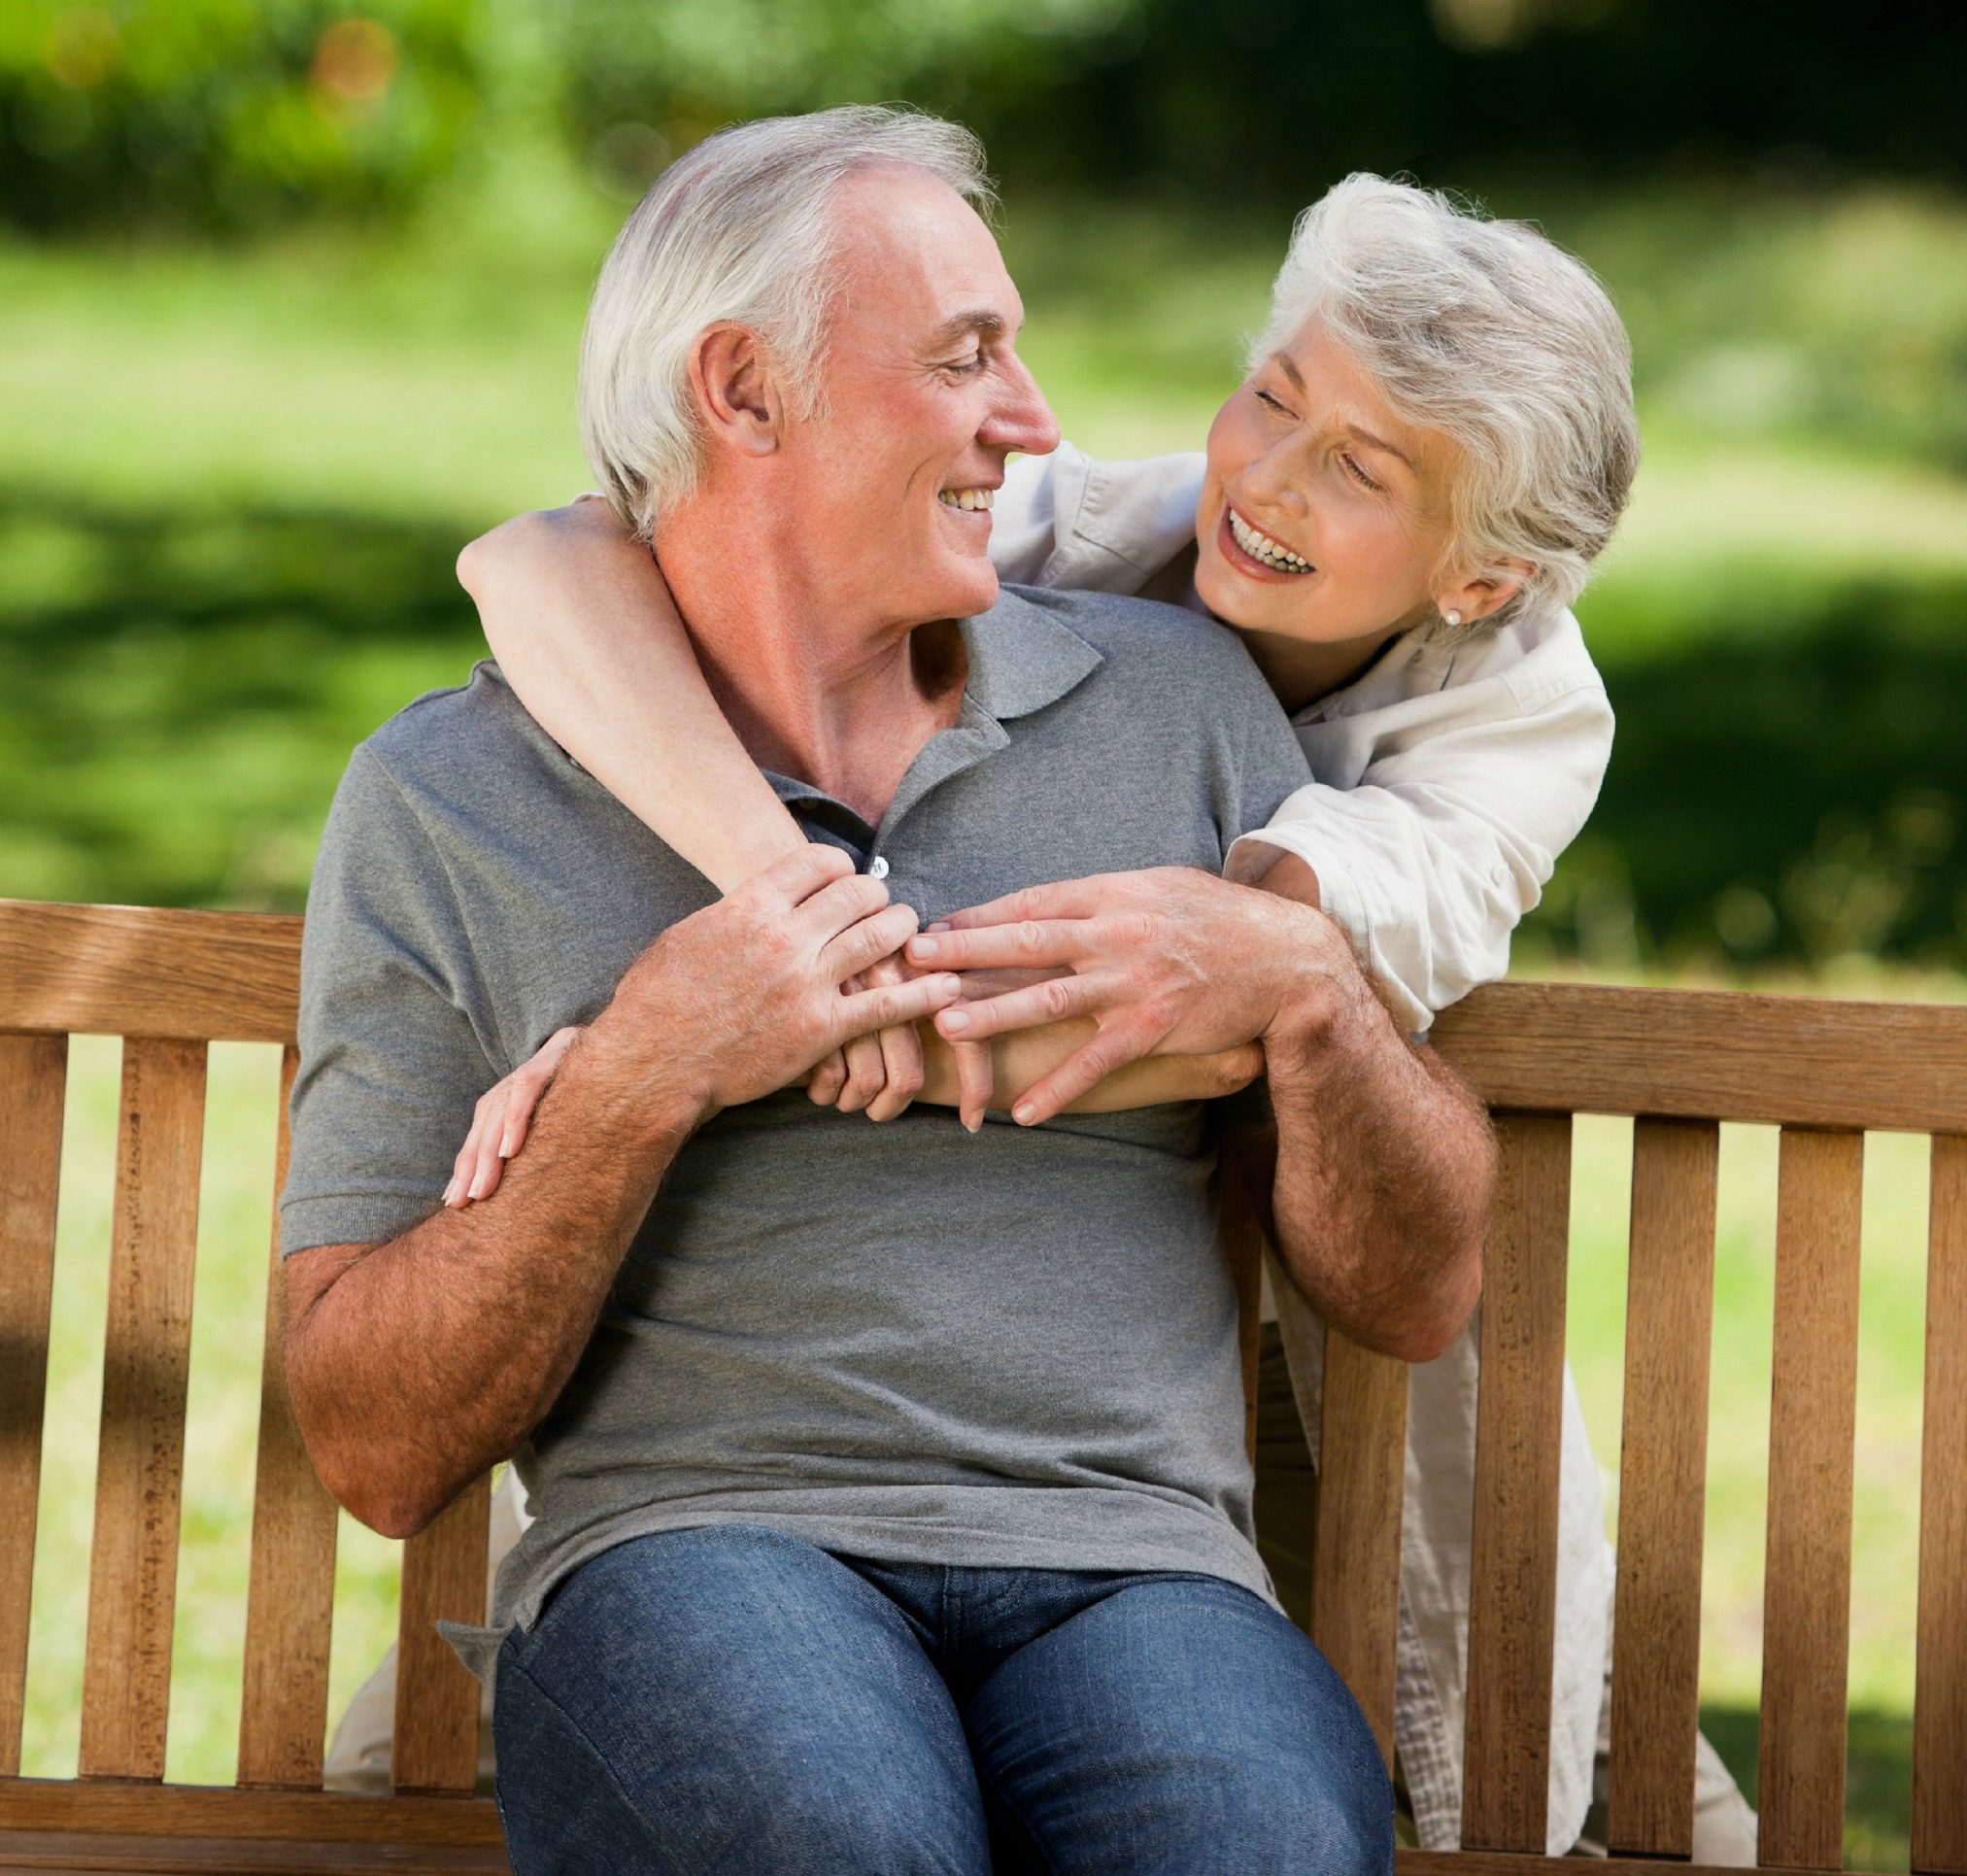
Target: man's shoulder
{"x":447,"y":738}
{"x":1144,"y":640}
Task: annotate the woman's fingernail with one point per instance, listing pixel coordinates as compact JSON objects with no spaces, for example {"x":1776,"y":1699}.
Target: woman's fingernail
{"x":1024,"y":1113}
{"x":955,"y":1019}
{"x":938,"y":925}
{"x":480,"y":1181}
{"x":922,"y":948}
{"x":505,"y":1147}
{"x":450,"y":1192}
{"x":974,"y":1126}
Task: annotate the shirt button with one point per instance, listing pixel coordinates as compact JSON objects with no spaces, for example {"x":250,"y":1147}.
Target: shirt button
{"x":877,"y":868}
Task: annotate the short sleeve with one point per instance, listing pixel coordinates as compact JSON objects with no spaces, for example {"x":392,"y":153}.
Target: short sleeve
{"x":391,"y":1062}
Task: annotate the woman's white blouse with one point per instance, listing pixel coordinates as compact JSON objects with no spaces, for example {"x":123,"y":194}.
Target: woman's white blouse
{"x":1448,"y":778}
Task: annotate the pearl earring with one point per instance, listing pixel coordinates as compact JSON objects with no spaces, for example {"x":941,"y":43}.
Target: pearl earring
{"x":1453,"y":618}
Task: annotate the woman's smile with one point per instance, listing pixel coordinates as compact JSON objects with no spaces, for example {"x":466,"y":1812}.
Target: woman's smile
{"x":1258,"y":555}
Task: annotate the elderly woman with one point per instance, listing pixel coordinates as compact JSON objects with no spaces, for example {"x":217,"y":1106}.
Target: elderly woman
{"x":1396,"y":508}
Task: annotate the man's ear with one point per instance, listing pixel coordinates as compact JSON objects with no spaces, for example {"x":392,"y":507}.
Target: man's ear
{"x":738,"y":399}
{"x":1481,"y":593}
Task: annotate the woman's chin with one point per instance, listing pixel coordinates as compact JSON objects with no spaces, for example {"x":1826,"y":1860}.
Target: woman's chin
{"x":1245,"y":604}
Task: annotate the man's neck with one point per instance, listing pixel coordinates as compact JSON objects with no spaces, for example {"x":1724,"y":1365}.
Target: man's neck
{"x":845,"y":705}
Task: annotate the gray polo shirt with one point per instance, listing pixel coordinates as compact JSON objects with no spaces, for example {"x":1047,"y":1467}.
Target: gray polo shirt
{"x":896,"y":1341}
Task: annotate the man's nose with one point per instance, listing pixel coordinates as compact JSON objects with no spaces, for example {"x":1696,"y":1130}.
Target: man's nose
{"x":1022,"y":418}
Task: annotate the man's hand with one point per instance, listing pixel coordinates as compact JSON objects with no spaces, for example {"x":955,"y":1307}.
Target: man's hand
{"x":1170,"y":960}
{"x":745,"y":997}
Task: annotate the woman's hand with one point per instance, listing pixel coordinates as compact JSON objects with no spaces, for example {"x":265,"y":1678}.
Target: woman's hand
{"x":881,"y":1075}
{"x":499,"y":1123}
{"x":1170,"y":960}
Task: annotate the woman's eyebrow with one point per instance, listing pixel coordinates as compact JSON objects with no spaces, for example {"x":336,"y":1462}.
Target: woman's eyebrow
{"x":1283,"y":360}
{"x":1381,"y":444}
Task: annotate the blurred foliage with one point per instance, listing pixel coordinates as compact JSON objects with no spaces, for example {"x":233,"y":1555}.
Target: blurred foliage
{"x":230,"y":113}
{"x":1248,"y":96}
{"x":227,"y":113}
{"x":638,"y":83}
{"x":1804,"y":311}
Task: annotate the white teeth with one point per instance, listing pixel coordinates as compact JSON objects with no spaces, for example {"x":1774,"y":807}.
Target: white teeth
{"x":1261,"y":547}
{"x":968,"y":500}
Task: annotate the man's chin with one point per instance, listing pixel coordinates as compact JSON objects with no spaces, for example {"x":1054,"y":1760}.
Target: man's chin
{"x":971,"y":592}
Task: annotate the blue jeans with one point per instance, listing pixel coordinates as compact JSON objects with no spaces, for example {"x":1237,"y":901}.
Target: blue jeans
{"x":731,"y":1698}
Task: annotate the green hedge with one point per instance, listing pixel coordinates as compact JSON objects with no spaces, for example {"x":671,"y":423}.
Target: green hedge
{"x":229,"y":114}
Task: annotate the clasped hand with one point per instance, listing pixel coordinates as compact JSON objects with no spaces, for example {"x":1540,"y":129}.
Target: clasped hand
{"x":1169,"y":960}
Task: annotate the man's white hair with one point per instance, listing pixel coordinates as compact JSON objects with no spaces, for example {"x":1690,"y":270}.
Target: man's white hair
{"x":741,"y":229}
{"x":1492,"y":335}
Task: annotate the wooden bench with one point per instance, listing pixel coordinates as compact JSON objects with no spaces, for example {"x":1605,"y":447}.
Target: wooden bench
{"x":170,"y":982}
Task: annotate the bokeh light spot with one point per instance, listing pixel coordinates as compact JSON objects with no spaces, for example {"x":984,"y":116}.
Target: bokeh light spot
{"x":356,"y":60}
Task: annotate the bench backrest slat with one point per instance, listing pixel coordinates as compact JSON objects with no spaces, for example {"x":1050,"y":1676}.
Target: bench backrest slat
{"x":435,"y":1741}
{"x":1361,"y":1474}
{"x":1663,"y":1468}
{"x":147,"y":1360}
{"x":290,"y":1599}
{"x":1711,"y":1054}
{"x":138,"y":971}
{"x":1940,"y":1698}
{"x":1518,"y":1426}
{"x":1806,"y":1609}
{"x":33,"y":1081}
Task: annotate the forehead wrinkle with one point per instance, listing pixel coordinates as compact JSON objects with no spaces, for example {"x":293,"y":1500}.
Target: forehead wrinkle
{"x":1285,"y":363}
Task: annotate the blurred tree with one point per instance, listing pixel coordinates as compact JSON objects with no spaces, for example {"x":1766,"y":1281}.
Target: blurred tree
{"x":230,"y":112}
{"x":643,"y":83}
{"x":219,"y":113}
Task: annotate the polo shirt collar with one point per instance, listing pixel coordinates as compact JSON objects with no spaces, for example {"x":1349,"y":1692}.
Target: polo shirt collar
{"x":1021,"y":659}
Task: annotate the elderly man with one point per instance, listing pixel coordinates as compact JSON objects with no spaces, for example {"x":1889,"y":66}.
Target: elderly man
{"x":892,"y":1510}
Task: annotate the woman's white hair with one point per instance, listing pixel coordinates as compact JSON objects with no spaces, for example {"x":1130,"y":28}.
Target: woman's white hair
{"x":739,"y":229}
{"x":1492,"y":335}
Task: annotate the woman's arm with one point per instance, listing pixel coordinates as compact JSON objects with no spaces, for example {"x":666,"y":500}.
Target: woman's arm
{"x":1449,"y":838}
{"x":582,"y":624}
{"x":1020,"y":1060}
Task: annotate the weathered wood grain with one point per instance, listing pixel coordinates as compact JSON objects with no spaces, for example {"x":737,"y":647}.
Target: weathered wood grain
{"x":147,"y":1354}
{"x":1806,"y":1606}
{"x":1355,"y":1597}
{"x":1520,"y":1419}
{"x":33,"y":1081}
{"x":1656,"y":1654}
{"x":1939,"y":1693}
{"x":1712,"y":1055}
{"x":290,"y":1598}
{"x":133,"y":970}
{"x":434,"y":1746}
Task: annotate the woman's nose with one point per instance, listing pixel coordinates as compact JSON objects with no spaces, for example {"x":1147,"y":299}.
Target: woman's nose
{"x":1270,"y":478}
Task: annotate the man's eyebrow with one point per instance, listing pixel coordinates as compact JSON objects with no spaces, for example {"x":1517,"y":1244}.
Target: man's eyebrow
{"x":980,"y":321}
{"x":1283,"y":360}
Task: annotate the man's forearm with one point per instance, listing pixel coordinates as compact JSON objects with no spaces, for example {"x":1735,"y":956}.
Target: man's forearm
{"x":1385,"y":1169}
{"x":417,"y":1363}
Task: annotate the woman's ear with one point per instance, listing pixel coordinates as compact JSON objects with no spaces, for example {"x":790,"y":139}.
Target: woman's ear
{"x":737,"y":397}
{"x":1484,"y":592}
